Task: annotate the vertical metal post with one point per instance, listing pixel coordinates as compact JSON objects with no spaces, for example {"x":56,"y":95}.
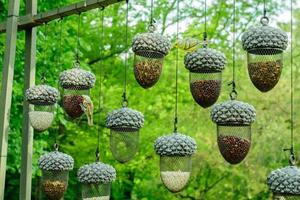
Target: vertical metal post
{"x":7,"y":83}
{"x":29,"y":81}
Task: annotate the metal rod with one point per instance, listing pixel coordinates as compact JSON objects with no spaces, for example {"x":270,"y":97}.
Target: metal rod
{"x":27,"y":130}
{"x":31,"y":20}
{"x":7,"y":84}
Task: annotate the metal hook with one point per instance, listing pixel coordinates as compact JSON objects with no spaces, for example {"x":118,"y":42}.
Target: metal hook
{"x":97,"y":153}
{"x":264,"y":20}
{"x":56,"y":147}
{"x":233,"y":94}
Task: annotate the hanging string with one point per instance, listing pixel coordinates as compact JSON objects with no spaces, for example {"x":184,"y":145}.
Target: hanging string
{"x":56,"y":145}
{"x":43,"y":76}
{"x":100,"y":86}
{"x":233,"y":93}
{"x":176,"y":74}
{"x":205,"y":25}
{"x":77,"y":57}
{"x":151,"y":14}
{"x":265,"y":9}
{"x":125,"y":100}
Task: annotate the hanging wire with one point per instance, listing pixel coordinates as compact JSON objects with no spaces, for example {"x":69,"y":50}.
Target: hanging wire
{"x":233,"y":93}
{"x":43,"y":76}
{"x":151,"y":14}
{"x":176,"y":74}
{"x":125,"y":100}
{"x":100,"y":85}
{"x":77,"y":57}
{"x":205,"y":25}
{"x":265,"y":9}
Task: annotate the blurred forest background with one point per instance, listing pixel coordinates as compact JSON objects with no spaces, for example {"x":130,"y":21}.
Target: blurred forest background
{"x":212,"y":177}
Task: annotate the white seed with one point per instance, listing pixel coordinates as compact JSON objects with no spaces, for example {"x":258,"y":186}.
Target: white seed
{"x":97,"y":198}
{"x":41,"y":120}
{"x":175,"y":180}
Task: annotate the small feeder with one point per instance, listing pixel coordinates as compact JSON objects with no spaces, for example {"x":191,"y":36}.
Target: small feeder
{"x":124,"y":125}
{"x":175,"y":151}
{"x":96,"y":180}
{"x":43,"y":97}
{"x":264,"y":46}
{"x":55,"y":168}
{"x":149,"y":52}
{"x":205,"y":66}
{"x":284,"y":183}
{"x":233,"y":119}
{"x":77,"y":83}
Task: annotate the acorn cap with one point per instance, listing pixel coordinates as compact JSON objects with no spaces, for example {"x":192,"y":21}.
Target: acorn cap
{"x":151,"y":45}
{"x":233,"y":112}
{"x":42,"y":95}
{"x":285,"y":181}
{"x":96,"y":173}
{"x":175,"y":144}
{"x":77,"y":79}
{"x":56,"y":161}
{"x":125,"y":118}
{"x":205,"y":60}
{"x":264,"y":37}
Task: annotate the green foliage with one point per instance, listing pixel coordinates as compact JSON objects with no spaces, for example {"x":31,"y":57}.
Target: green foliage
{"x":212,"y":177}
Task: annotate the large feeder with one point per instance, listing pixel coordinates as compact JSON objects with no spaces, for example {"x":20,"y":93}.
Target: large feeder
{"x":96,"y":180}
{"x":76,"y":101}
{"x":149,"y":52}
{"x":124,"y":125}
{"x":233,"y":119}
{"x":55,"y":168}
{"x":205,"y":66}
{"x":175,"y":151}
{"x":284,"y":183}
{"x":264,"y":46}
{"x":44,"y":98}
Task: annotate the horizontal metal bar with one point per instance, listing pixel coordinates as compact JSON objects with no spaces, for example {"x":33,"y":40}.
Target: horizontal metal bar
{"x":41,"y":18}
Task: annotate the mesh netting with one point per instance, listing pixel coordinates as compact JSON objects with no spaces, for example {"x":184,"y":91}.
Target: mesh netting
{"x":42,"y":117}
{"x":264,"y":67}
{"x":147,"y":68}
{"x":124,"y":143}
{"x":286,"y":197}
{"x":234,"y":142}
{"x":205,"y":87}
{"x":95,"y":191}
{"x":54,"y":184}
{"x":73,"y":101}
{"x":175,"y":171}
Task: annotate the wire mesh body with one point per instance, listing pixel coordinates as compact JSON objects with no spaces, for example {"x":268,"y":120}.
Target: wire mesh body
{"x":205,"y":87}
{"x":264,"y":67}
{"x":175,"y":171}
{"x":124,"y":143}
{"x":54,"y":184}
{"x":286,"y":197}
{"x":72,"y":102}
{"x":42,"y":117}
{"x":234,"y":142}
{"x":96,"y":191}
{"x":147,"y":67}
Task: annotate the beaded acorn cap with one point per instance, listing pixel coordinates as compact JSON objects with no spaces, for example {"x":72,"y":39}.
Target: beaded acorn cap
{"x":96,"y":173}
{"x":205,"y":60}
{"x":77,"y":79}
{"x":56,"y":161}
{"x":125,"y":118}
{"x":42,"y":95}
{"x":175,"y":144}
{"x":233,"y":112}
{"x":285,"y":181}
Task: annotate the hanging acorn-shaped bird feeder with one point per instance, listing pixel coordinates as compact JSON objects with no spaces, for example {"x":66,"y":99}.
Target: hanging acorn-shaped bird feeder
{"x":149,"y":52}
{"x":175,"y":151}
{"x":205,"y":66}
{"x":284,"y":183}
{"x":124,"y":125}
{"x":264,"y":46}
{"x":55,"y":168}
{"x":233,"y":119}
{"x":96,"y":179}
{"x":44,"y":98}
{"x":77,"y":83}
